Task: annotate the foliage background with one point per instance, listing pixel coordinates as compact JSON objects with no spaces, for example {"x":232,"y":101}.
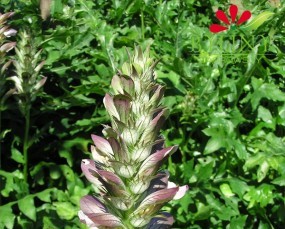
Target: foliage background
{"x":225,"y":92}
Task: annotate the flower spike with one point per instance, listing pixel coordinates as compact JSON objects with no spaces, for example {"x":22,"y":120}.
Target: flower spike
{"x":127,"y":159}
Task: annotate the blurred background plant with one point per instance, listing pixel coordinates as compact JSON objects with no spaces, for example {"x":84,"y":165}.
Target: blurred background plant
{"x":5,"y":46}
{"x":225,"y":92}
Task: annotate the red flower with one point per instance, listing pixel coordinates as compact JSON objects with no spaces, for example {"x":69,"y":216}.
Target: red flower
{"x":216,"y":28}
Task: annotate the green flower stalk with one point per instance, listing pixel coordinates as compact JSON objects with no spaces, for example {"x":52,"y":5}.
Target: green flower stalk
{"x":27,"y":82}
{"x":126,"y":163}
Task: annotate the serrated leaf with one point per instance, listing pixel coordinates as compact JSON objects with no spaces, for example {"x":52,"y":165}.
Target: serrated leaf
{"x":9,"y":183}
{"x":203,"y":212}
{"x":44,"y":195}
{"x":254,"y":160}
{"x":213,"y":145}
{"x":279,"y":181}
{"x":48,"y":224}
{"x":27,"y":207}
{"x":65,"y":210}
{"x":239,"y":187}
{"x":264,"y":90}
{"x":238,"y":222}
{"x":264,"y":114}
{"x":7,"y":217}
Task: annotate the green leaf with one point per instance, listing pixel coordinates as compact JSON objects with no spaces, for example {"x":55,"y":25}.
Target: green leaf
{"x":265,"y":90}
{"x":17,"y":156}
{"x":214,"y":144}
{"x":204,"y":172}
{"x":279,"y":181}
{"x":3,"y":134}
{"x":264,"y":114}
{"x":65,"y":210}
{"x":239,"y":187}
{"x":27,"y":207}
{"x":103,"y":71}
{"x":67,"y":172}
{"x":48,"y":223}
{"x":203,"y":212}
{"x":251,"y":60}
{"x":56,"y":7}
{"x":261,"y":195}
{"x":55,"y":172}
{"x":262,"y":171}
{"x":7,"y":217}
{"x":226,"y":190}
{"x":238,"y":222}
{"x":254,"y":160}
{"x":9,"y":185}
{"x":45,"y":195}
{"x":258,"y":20}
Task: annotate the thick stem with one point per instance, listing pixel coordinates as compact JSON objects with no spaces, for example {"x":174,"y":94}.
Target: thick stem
{"x":26,"y":144}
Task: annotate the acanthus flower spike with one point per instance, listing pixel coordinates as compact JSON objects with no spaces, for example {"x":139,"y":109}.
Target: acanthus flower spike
{"x":126,"y":161}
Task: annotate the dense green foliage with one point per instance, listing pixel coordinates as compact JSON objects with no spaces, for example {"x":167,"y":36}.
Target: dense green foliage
{"x":225,"y":92}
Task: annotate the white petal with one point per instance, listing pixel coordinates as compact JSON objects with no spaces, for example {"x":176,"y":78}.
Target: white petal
{"x":86,"y":219}
{"x":181,"y":192}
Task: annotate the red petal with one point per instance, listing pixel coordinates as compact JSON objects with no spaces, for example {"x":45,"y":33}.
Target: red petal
{"x":244,"y":17}
{"x":215,"y":28}
{"x":233,"y":12}
{"x":222,"y":17}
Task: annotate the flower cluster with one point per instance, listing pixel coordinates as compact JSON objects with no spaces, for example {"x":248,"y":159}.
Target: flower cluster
{"x":245,"y":16}
{"x":28,"y":65}
{"x":5,"y":31}
{"x":126,"y":163}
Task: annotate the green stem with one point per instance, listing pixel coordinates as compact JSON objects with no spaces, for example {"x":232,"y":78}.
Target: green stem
{"x":142,"y":22}
{"x":26,"y":144}
{"x":0,"y":150}
{"x":0,"y":138}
